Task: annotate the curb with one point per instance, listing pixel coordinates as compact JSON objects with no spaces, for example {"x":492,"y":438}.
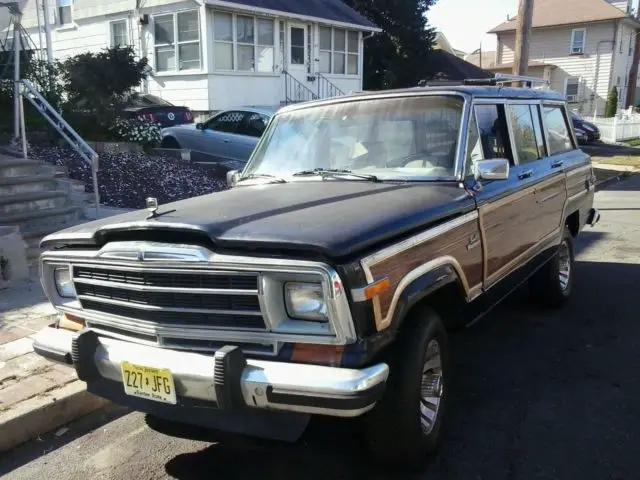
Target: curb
{"x":42,"y":414}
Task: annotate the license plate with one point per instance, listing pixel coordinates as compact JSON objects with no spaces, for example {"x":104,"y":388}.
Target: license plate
{"x":150,"y":383}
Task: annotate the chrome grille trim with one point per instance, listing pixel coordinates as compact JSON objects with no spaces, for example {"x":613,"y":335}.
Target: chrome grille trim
{"x":149,"y":288}
{"x":153,"y":308}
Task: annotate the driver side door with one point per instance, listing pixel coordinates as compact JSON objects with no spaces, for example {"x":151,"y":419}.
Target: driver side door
{"x":219,"y":139}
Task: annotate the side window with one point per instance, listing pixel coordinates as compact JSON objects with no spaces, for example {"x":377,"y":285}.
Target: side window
{"x":228,"y":122}
{"x":525,"y":133}
{"x":558,"y":133}
{"x":255,"y":125}
{"x":494,"y":134}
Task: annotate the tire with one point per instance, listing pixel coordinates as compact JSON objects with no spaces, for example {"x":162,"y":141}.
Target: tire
{"x":397,"y":432}
{"x":551,"y":285}
{"x":169,"y":142}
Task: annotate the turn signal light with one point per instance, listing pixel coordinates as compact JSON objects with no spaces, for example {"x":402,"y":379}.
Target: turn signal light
{"x":69,"y":322}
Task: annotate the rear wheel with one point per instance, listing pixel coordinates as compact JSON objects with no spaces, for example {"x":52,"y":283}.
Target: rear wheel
{"x":169,"y":142}
{"x":551,"y":285}
{"x":404,"y":427}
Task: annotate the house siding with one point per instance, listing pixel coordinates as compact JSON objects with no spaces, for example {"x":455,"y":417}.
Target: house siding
{"x":594,"y":68}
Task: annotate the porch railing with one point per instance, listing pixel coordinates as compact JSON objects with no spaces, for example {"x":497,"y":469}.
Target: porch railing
{"x":295,"y":91}
{"x":30,"y":92}
{"x":326,"y":88}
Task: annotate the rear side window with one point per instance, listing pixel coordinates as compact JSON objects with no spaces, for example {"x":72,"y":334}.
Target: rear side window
{"x":558,"y":133}
{"x":526,"y":132}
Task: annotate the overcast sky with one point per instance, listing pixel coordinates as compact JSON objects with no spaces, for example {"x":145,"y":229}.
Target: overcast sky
{"x":465,"y":22}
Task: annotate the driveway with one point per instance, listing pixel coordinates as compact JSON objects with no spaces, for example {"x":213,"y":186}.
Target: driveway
{"x":538,"y":395}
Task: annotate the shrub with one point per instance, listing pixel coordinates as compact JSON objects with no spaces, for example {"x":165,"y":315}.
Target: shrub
{"x":137,"y":130}
{"x":612,"y":103}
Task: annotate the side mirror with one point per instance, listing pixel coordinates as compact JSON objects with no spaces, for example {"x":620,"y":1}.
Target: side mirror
{"x":493,"y":169}
{"x":232,"y":178}
{"x":200,"y":126}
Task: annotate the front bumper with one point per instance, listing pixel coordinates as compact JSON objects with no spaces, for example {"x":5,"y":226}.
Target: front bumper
{"x":226,"y":380}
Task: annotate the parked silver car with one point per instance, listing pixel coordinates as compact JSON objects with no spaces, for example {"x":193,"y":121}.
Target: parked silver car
{"x":230,"y":135}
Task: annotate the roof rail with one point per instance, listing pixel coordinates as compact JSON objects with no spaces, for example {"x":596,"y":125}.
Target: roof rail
{"x":528,"y":81}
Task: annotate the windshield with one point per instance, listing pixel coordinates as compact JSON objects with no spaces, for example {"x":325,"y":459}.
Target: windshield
{"x":412,"y":138}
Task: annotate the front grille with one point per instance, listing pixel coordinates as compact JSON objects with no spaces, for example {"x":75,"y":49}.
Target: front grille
{"x":191,"y":299}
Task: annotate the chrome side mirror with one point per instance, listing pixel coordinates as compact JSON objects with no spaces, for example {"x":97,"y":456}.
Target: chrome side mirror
{"x":232,"y":178}
{"x":493,"y":169}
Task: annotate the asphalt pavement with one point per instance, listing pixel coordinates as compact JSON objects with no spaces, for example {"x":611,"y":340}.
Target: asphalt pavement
{"x":537,"y":395}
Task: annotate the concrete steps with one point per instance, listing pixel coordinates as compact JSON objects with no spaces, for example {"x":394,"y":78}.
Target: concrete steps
{"x":39,"y":199}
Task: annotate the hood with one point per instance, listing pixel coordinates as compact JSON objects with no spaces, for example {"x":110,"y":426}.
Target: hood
{"x":332,"y":218}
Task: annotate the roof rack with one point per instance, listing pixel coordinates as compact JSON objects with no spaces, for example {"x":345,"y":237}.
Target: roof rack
{"x":498,"y":80}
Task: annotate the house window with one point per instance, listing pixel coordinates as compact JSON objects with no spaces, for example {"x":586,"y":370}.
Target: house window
{"x":571,"y":89}
{"x":243,"y":43}
{"x":118,"y":33}
{"x":64,"y":12}
{"x":177,"y":41}
{"x":339,"y":51}
{"x":631,"y":37}
{"x":578,"y":37}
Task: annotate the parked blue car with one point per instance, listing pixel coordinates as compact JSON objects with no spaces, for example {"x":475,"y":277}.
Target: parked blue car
{"x":588,"y":129}
{"x":229,"y":136}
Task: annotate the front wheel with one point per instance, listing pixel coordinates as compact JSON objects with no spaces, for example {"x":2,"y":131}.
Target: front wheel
{"x":551,"y":285}
{"x":405,"y":426}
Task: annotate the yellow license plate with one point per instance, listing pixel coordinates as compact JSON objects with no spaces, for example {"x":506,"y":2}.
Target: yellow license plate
{"x":150,"y":383}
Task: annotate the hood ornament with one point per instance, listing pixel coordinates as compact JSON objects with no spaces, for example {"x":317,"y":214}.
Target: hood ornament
{"x":152,"y":207}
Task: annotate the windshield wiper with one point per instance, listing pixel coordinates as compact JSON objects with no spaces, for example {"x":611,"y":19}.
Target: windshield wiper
{"x":335,"y":172}
{"x":273,"y":178}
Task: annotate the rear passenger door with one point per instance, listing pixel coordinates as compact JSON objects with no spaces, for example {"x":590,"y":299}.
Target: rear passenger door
{"x":545,"y":173}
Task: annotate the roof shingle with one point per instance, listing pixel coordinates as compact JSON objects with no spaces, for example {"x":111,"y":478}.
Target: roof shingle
{"x":548,"y":13}
{"x":333,"y":10}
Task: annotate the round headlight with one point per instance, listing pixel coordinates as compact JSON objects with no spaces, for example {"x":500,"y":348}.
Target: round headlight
{"x":305,"y":301}
{"x":64,"y":284}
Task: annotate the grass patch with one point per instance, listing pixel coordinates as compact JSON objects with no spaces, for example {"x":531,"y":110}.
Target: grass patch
{"x":634,"y":143}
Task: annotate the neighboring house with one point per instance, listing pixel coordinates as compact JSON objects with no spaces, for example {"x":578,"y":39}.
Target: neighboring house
{"x":481,"y":58}
{"x":584,"y":47}
{"x":440,"y":42}
{"x":214,"y":54}
{"x":451,"y":69}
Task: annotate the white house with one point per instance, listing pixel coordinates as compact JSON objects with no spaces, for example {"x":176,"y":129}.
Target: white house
{"x":214,"y":54}
{"x":585,"y":47}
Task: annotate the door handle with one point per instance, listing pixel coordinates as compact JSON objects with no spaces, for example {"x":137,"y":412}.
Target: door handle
{"x":526,"y":174}
{"x":557,"y":164}
{"x":226,"y":141}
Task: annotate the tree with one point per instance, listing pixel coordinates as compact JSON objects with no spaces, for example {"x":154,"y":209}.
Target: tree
{"x":399,"y":55}
{"x":612,"y":103}
{"x":102,"y":81}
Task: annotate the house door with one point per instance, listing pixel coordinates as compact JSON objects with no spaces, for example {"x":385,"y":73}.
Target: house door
{"x":298,"y":54}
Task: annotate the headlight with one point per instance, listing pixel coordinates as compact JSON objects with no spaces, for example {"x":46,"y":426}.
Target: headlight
{"x":305,"y":301}
{"x":64,"y":285}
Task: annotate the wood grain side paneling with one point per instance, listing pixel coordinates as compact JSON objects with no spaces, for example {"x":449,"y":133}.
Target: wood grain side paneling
{"x":453,"y":243}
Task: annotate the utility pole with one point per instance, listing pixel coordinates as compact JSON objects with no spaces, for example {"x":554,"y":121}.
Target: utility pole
{"x":633,"y":72}
{"x":523,"y":37}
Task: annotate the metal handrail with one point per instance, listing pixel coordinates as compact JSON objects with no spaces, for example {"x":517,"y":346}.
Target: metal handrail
{"x":302,"y":92}
{"x":327,"y":86}
{"x":30,"y":92}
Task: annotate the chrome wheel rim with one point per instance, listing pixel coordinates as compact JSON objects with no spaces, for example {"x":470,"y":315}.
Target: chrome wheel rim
{"x":431,"y":387}
{"x":564,"y":265}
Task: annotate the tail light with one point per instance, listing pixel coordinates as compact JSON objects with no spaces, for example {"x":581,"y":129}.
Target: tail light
{"x":149,"y":117}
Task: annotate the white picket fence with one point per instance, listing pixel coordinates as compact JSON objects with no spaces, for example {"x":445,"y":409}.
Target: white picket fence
{"x":618,"y":128}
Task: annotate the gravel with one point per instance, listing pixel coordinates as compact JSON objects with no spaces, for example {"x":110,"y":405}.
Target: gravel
{"x":125,"y":180}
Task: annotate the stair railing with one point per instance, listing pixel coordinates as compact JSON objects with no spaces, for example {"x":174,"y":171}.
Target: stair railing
{"x":29,"y":91}
{"x":295,"y":91}
{"x":326,"y":88}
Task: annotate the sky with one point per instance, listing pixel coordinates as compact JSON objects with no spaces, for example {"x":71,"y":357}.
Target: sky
{"x":465,"y":22}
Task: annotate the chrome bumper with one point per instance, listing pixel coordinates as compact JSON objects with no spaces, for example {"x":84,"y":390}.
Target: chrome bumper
{"x":227,"y":378}
{"x":594,"y":217}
